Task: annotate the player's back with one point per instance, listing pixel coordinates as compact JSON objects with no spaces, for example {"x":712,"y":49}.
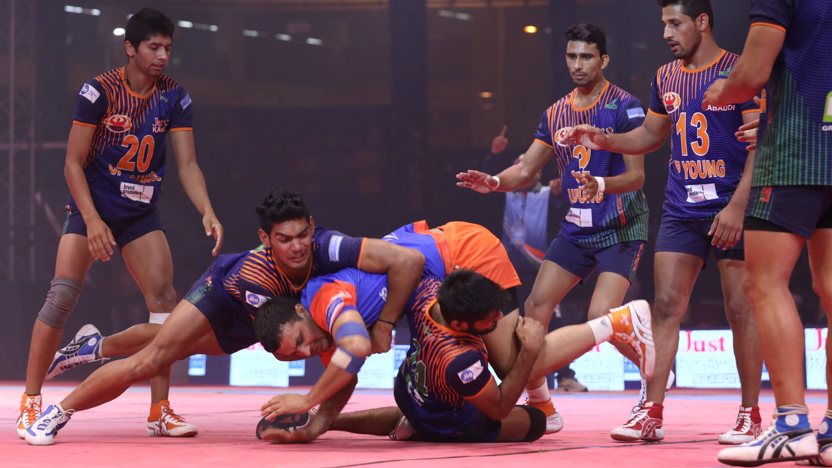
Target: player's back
{"x":795,"y":136}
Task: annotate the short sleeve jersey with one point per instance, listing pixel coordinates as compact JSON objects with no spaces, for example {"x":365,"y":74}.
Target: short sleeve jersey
{"x":795,"y":136}
{"x":125,"y":165}
{"x":443,"y":367}
{"x":607,"y":219}
{"x":707,"y":161}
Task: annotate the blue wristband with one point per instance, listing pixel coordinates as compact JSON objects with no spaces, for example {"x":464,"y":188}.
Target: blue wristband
{"x":351,"y":329}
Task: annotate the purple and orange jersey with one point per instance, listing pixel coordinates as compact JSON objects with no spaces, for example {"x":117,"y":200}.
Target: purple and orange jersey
{"x":606,"y":219}
{"x":126,"y":161}
{"x":707,"y":161}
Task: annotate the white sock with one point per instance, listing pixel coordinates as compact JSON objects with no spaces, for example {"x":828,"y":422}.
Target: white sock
{"x":540,"y":394}
{"x":601,"y":328}
{"x":100,"y":353}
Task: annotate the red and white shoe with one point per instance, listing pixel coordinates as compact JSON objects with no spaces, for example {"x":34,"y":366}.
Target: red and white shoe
{"x":164,"y":422}
{"x":645,"y":425}
{"x":746,"y":429}
{"x":29,"y":412}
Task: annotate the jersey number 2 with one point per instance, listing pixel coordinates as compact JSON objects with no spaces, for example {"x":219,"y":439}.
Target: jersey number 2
{"x":144,"y":150}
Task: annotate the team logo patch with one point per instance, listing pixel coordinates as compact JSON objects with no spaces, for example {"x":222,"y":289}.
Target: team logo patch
{"x":335,"y":248}
{"x":636,"y":113}
{"x":90,"y":93}
{"x":672,"y":102}
{"x":471,"y":373}
{"x":560,"y":136}
{"x":185,"y":102}
{"x":118,"y":123}
{"x":255,"y":300}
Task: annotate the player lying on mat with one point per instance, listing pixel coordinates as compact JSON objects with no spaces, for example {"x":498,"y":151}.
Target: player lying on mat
{"x":217,"y":315}
{"x":446,"y":328}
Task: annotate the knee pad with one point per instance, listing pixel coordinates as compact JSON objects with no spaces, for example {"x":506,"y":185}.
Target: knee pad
{"x":60,"y":301}
{"x":158,"y":318}
{"x":537,"y":423}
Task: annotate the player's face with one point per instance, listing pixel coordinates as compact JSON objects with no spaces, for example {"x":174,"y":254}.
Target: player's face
{"x":681,"y":32}
{"x":152,"y":55}
{"x":303,"y":338}
{"x":585,"y":62}
{"x":291,"y":244}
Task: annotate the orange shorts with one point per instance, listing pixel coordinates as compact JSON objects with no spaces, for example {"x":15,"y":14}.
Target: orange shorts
{"x":473,"y":247}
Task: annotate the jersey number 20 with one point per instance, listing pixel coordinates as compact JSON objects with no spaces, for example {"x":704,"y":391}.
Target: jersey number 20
{"x":144,"y":150}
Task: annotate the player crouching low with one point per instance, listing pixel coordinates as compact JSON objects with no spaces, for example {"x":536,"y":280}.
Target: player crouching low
{"x":443,"y":390}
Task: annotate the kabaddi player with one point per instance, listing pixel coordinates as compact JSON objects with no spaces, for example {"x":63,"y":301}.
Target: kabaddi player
{"x":707,"y":188}
{"x":443,"y":388}
{"x":217,"y":315}
{"x":606,"y":227}
{"x":115,"y":166}
{"x":790,"y":205}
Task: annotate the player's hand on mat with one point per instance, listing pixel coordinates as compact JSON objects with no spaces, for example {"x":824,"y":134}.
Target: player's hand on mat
{"x":586,"y":135}
{"x":282,"y":404}
{"x":530,"y":333}
{"x":477,"y":181}
{"x":748,"y":134}
{"x":500,"y":142}
{"x":381,"y":337}
{"x":588,"y":181}
{"x":556,"y":185}
{"x":727,"y":227}
{"x":213,"y":228}
{"x":100,"y":239}
{"x":713,"y":95}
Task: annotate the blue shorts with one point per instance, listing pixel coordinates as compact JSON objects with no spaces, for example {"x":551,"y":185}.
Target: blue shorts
{"x":789,"y":208}
{"x":691,"y":237}
{"x":436,"y":426}
{"x":620,"y":258}
{"x":124,"y":230}
{"x":232,"y":325}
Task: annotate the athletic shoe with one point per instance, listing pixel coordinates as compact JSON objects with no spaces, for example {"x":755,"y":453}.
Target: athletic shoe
{"x":164,"y":422}
{"x":746,"y":429}
{"x":645,"y":425}
{"x":83,"y":349}
{"x":824,"y":437}
{"x":631,"y":325}
{"x":554,"y":421}
{"x":570,"y":385}
{"x":642,"y":394}
{"x":789,"y":438}
{"x":403,"y":430}
{"x":29,"y":413}
{"x":44,"y":430}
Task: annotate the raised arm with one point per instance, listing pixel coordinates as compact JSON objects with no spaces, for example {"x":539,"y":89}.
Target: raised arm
{"x":512,"y":178}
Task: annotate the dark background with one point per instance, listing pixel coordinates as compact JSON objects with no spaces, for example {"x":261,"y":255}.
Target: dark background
{"x":370,"y":125}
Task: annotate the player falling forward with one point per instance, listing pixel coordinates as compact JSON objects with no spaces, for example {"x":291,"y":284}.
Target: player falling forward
{"x":707,"y":188}
{"x":790,"y":206}
{"x":115,"y":164}
{"x":606,"y":227}
{"x":217,"y":315}
{"x":443,"y":389}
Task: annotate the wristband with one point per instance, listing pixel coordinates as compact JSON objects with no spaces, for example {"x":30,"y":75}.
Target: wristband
{"x":601,"y":184}
{"x":496,"y":186}
{"x":351,"y":329}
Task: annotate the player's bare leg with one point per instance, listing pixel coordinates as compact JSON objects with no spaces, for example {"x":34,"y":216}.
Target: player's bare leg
{"x":378,"y":421}
{"x":820,"y":262}
{"x":130,"y":341}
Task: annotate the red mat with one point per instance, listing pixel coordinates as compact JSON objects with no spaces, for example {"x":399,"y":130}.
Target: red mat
{"x":114,"y":434}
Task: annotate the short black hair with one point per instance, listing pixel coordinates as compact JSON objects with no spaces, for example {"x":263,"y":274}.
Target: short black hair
{"x":272,"y":316}
{"x":692,"y":8}
{"x":145,"y":24}
{"x":467,"y":296}
{"x":279,"y":206}
{"x":589,"y":33}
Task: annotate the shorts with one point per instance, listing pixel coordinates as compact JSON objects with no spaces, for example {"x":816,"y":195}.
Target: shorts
{"x":437,"y":426}
{"x":799,"y":209}
{"x":473,"y":247}
{"x":691,"y":237}
{"x":124,"y":230}
{"x":232,"y":325}
{"x":621,"y":258}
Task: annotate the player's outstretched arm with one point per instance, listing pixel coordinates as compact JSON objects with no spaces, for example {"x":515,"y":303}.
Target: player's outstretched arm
{"x":497,"y":401}
{"x":353,"y":347}
{"x":752,"y":71}
{"x":631,"y":180}
{"x":99,"y":237}
{"x":194,"y":182}
{"x":645,"y":139}
{"x":510,"y":179}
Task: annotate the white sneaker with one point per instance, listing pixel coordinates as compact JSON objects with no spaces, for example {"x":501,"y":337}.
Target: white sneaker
{"x":554,"y":421}
{"x":631,"y":324}
{"x":778,"y":443}
{"x":746,"y":429}
{"x":164,"y":422}
{"x":646,"y":424}
{"x":29,"y":413}
{"x":83,"y":349}
{"x":403,"y":430}
{"x":642,"y":394}
{"x":44,"y":430}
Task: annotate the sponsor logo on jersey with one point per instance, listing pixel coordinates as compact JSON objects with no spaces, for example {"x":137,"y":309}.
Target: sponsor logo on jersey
{"x":637,"y":113}
{"x":160,"y":126}
{"x":725,"y":73}
{"x":827,"y":116}
{"x":471,"y":373}
{"x":383,"y":294}
{"x":613,"y":105}
{"x":672,"y":102}
{"x":185,"y":102}
{"x":560,"y":136}
{"x":118,"y":123}
{"x":335,"y":248}
{"x":90,"y":93}
{"x":765,"y":194}
{"x":255,"y":300}
{"x":729,"y":107}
